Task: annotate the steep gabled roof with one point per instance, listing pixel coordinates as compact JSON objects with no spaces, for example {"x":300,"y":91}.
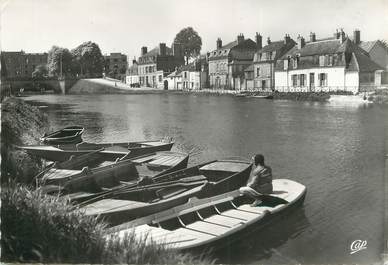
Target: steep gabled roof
{"x":234,"y":48}
{"x":156,"y":51}
{"x":367,"y":45}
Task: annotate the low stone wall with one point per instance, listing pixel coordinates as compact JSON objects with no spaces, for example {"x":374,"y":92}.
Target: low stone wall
{"x":58,"y":86}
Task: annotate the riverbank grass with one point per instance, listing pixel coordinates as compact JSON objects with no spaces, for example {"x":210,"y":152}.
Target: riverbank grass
{"x":40,"y":228}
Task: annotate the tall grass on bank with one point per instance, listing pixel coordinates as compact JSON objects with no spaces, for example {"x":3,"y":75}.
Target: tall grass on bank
{"x":40,"y":228}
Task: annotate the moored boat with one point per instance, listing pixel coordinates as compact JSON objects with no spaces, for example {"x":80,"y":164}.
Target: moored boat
{"x":111,"y":151}
{"x":64,"y":179}
{"x":215,"y":220}
{"x":169,"y":190}
{"x":67,"y":135}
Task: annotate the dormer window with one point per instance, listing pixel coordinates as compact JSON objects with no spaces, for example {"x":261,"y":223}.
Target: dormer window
{"x":322,"y":60}
{"x":285,"y":64}
{"x":295,"y":62}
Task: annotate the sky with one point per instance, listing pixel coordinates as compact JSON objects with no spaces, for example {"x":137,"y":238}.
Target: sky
{"x":127,"y":25}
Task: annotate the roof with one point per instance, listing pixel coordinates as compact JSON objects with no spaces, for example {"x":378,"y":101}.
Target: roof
{"x":318,"y":47}
{"x":358,"y":60}
{"x":280,"y":47}
{"x":156,"y":51}
{"x":273,"y":46}
{"x":367,"y":45}
{"x":239,"y":51}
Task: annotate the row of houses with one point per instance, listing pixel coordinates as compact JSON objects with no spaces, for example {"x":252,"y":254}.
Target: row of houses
{"x":338,"y":62}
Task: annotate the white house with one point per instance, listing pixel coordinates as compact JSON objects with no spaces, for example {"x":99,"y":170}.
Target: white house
{"x":333,"y":64}
{"x":173,"y":81}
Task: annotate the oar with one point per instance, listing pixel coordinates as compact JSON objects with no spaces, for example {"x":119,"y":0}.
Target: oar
{"x":135,"y":186}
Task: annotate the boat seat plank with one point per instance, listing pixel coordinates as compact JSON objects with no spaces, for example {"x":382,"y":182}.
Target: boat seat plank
{"x":198,"y":237}
{"x":224,"y":220}
{"x":111,"y":205}
{"x":161,"y":160}
{"x":209,"y":228}
{"x":225,"y":166}
{"x":239,"y":214}
{"x":145,"y":159}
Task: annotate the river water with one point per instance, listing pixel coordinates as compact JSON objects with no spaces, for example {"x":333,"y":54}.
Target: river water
{"x":336,"y":150}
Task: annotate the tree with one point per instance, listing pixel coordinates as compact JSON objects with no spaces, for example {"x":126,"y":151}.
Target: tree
{"x":59,"y":61}
{"x":87,"y":59}
{"x":40,"y":72}
{"x":190,"y":41}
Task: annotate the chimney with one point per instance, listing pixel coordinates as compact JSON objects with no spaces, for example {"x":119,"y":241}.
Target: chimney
{"x":240,"y":38}
{"x":259,"y":41}
{"x":143,"y":50}
{"x":356,"y":36}
{"x":337,"y":34}
{"x":301,"y":42}
{"x":219,"y":43}
{"x":268,"y":40}
{"x":177,"y":49}
{"x":342,"y":35}
{"x":287,"y":39}
{"x":312,"y":37}
{"x":162,"y":49}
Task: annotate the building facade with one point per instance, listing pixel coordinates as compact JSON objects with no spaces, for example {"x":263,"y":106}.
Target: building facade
{"x":227,"y":63}
{"x":132,"y":77}
{"x":155,"y":65}
{"x":116,"y":65}
{"x":265,"y":60}
{"x":195,"y":74}
{"x":332,"y":64}
{"x":21,"y":64}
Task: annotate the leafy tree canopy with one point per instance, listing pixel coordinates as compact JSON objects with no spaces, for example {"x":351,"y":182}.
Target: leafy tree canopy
{"x":190,"y":41}
{"x":40,"y":72}
{"x":87,"y":59}
{"x":56,"y":56}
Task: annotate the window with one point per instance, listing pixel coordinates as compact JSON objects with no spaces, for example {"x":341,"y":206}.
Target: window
{"x":270,"y":55}
{"x":302,"y":78}
{"x":330,"y":60}
{"x":294,"y":80}
{"x":185,"y":74}
{"x":295,"y":63}
{"x":322,"y":60}
{"x":322,"y":79}
{"x":160,"y":78}
{"x":257,"y":71}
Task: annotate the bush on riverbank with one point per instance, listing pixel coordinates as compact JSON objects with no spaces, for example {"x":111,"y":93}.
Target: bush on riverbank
{"x":39,"y":228}
{"x":302,"y":96}
{"x":21,"y":124}
{"x":379,"y":97}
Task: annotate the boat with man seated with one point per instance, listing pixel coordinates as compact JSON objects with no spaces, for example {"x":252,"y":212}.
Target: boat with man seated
{"x":214,"y":221}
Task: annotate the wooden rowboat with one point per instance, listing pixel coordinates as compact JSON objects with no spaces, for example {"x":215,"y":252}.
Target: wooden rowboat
{"x":169,"y":190}
{"x":213,"y":221}
{"x":87,"y":183}
{"x":67,"y":135}
{"x":111,"y":151}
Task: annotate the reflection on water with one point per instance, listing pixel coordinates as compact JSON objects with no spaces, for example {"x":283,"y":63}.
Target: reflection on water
{"x":337,"y":151}
{"x":263,"y":244}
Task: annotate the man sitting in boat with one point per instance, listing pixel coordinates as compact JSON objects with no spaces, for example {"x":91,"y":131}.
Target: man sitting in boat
{"x":260,"y":180}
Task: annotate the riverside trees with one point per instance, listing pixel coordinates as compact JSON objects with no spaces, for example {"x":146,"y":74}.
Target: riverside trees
{"x":85,"y":60}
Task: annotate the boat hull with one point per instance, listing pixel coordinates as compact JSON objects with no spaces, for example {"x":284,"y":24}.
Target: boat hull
{"x":110,"y":153}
